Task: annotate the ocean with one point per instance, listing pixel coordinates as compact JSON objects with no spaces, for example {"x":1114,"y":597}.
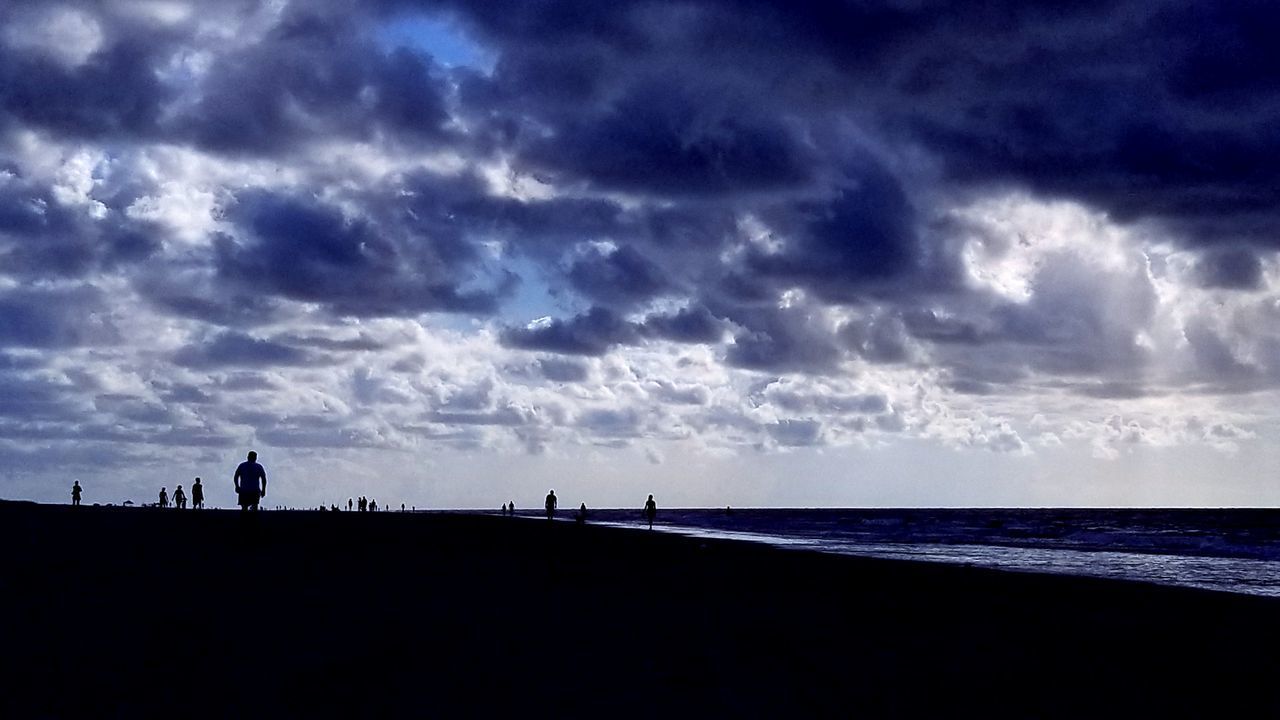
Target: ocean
{"x":1230,"y":550}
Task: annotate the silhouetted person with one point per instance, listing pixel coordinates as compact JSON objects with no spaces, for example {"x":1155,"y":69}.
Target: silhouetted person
{"x":650,"y":511}
{"x":401,"y":507}
{"x":582,"y":514}
{"x":197,"y":495}
{"x":513,"y":508}
{"x":373,"y":506}
{"x":179,"y":498}
{"x":348,"y":504}
{"x":164,"y":497}
{"x":251,"y":482}
{"x":75,"y":493}
{"x":551,"y":504}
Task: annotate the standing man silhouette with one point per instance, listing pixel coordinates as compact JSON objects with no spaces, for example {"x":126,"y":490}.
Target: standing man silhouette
{"x":650,"y":510}
{"x":251,"y":482}
{"x":197,"y":496}
{"x":75,"y":493}
{"x":179,"y":498}
{"x":164,"y":498}
{"x":551,"y":504}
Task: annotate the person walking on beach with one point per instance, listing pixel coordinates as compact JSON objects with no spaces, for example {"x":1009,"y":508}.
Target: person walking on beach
{"x":164,"y":498}
{"x":513,"y":508}
{"x":179,"y":498}
{"x":197,"y":496}
{"x":582,"y":514}
{"x":251,"y":482}
{"x":551,"y":504}
{"x":348,"y":504}
{"x":75,"y":494}
{"x":650,"y":511}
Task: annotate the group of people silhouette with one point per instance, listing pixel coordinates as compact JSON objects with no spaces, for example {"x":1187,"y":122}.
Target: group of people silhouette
{"x":552,"y":502}
{"x":251,"y":486}
{"x":366,"y":505}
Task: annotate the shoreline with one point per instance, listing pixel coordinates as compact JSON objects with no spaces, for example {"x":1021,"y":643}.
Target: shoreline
{"x":131,"y":612}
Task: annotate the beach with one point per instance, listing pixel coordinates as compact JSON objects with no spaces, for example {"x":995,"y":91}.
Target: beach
{"x":131,"y":612}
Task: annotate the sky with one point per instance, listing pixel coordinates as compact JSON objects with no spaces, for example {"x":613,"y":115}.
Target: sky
{"x":749,"y":253}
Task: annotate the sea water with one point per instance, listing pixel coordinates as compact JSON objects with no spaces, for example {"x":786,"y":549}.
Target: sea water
{"x":1231,"y":550}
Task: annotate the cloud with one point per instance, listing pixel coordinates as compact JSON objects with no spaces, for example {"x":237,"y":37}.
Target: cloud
{"x":232,"y":349}
{"x":55,"y":319}
{"x":1230,"y":269}
{"x":558,"y":370}
{"x":309,"y":251}
{"x":591,"y":333}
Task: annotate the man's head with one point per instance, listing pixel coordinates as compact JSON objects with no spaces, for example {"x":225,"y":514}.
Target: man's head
{"x":252,"y":456}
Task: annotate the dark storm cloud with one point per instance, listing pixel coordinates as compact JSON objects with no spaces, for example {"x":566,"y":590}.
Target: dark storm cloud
{"x":314,"y":76}
{"x":233,"y":349}
{"x":864,"y":234}
{"x":670,"y":140}
{"x":1148,"y":110}
{"x":55,"y":319}
{"x":115,"y":94}
{"x":687,"y":325}
{"x":879,"y":339}
{"x":305,"y":250}
{"x":30,"y":399}
{"x":43,"y":237}
{"x":726,"y":154}
{"x":598,"y":330}
{"x":560,"y":370}
{"x":591,"y":333}
{"x":1232,"y":268}
{"x":788,"y":339}
{"x":621,"y":276}
{"x":1155,"y":111}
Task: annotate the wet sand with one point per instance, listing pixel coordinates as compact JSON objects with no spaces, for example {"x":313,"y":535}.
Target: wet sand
{"x":138,"y":612}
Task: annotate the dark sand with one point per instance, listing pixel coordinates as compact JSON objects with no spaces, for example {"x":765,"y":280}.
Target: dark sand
{"x":115,"y":612}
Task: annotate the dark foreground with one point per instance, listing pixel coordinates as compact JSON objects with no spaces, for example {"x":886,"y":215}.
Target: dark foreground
{"x":114,"y":612}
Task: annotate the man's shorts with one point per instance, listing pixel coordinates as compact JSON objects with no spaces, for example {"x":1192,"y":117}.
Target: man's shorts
{"x":249,"y":499}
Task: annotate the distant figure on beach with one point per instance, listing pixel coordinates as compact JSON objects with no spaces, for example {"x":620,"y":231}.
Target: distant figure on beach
{"x":551,"y":504}
{"x":650,"y":510}
{"x":197,"y":495}
{"x":504,"y":509}
{"x":75,"y":493}
{"x":728,"y":510}
{"x":251,"y":482}
{"x":164,"y":498}
{"x":348,"y":504}
{"x":373,"y":506}
{"x":582,"y":514}
{"x":179,"y":498}
{"x":513,"y":508}
{"x":401,"y":507}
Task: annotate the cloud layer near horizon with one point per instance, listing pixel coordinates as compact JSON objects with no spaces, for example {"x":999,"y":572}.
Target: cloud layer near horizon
{"x":722,"y":227}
